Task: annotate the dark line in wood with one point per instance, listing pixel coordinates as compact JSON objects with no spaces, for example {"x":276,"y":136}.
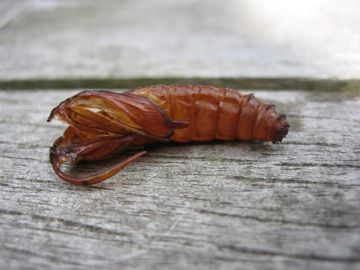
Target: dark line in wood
{"x":278,"y":221}
{"x":202,"y":158}
{"x":292,"y":181}
{"x":66,"y":222}
{"x":10,"y":212}
{"x":316,"y":117}
{"x":31,"y":253}
{"x":325,"y":165}
{"x":32,"y":124}
{"x":24,"y":158}
{"x":315,"y":257}
{"x":312,"y":144}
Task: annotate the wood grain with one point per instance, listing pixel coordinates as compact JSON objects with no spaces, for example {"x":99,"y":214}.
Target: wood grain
{"x":293,"y":205}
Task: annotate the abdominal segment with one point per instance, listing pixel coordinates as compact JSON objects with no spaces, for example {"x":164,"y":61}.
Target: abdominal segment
{"x":217,"y":114}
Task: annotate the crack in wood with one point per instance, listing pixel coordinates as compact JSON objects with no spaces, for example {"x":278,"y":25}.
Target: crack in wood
{"x":273,"y":253}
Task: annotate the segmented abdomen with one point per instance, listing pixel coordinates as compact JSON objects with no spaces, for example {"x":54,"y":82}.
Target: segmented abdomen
{"x":217,"y":113}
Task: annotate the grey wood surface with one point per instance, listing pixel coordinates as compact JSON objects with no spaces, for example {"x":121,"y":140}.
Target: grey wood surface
{"x":233,"y":205}
{"x":159,"y":38}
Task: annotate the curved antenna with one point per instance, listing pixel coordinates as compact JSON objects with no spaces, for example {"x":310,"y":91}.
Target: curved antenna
{"x":92,"y":179}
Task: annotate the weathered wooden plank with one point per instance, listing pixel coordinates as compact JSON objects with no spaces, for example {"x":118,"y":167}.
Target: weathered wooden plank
{"x":90,"y":39}
{"x":225,"y":206}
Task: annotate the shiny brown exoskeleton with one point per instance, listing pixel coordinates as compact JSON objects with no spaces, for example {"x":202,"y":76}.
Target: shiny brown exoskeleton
{"x":103,"y":122}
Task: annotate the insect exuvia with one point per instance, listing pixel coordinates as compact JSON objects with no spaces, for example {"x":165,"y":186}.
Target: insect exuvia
{"x":104,"y":122}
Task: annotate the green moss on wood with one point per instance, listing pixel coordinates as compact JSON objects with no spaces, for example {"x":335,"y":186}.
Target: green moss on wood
{"x":240,"y":83}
